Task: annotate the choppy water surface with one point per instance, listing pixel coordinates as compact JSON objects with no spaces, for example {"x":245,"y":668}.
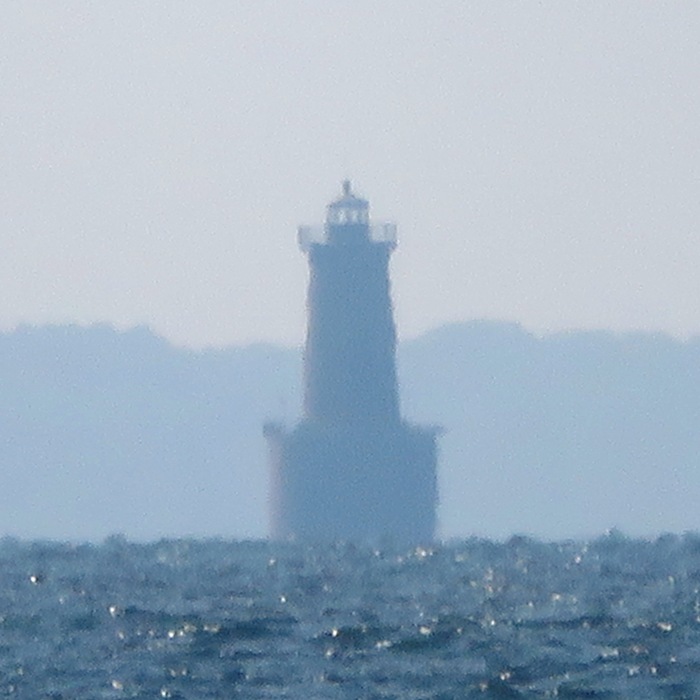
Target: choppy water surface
{"x":611,"y":618}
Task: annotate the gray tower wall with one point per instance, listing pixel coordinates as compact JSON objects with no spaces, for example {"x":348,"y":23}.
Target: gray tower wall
{"x":349,"y":366}
{"x":345,"y":483}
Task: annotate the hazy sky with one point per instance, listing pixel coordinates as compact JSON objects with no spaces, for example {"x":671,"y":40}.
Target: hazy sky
{"x":542,"y":160}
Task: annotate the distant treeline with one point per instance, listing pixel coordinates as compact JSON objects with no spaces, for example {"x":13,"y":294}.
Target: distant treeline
{"x":107,"y":432}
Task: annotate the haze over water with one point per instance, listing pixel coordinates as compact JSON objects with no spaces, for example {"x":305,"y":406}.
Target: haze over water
{"x":540,"y":160}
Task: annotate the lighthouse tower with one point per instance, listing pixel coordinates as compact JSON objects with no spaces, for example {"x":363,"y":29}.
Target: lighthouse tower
{"x":351,"y":469}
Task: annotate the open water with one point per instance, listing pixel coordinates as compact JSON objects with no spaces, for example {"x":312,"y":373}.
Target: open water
{"x":609,"y":618}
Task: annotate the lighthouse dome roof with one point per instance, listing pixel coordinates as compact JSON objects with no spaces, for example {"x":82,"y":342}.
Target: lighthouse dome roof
{"x":348,"y":208}
{"x":348,"y":199}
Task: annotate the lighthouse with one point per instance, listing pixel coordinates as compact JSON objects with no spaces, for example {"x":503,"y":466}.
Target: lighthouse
{"x":352,"y":468}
